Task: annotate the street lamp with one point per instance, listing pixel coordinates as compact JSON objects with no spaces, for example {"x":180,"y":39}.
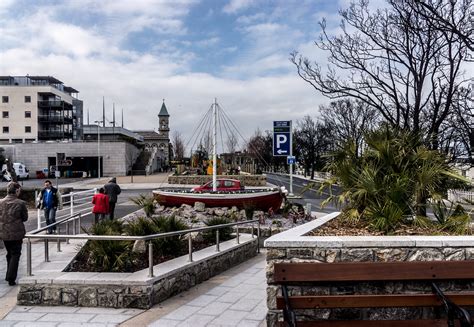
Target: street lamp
{"x":98,"y":122}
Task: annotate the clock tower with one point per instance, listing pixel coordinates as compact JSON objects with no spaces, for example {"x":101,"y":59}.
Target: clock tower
{"x":164,"y":119}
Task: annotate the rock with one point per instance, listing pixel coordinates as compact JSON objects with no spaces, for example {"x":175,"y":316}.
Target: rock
{"x":199,"y":206}
{"x":201,"y":217}
{"x":187,"y":213}
{"x":139,"y":246}
{"x":234,"y":209}
{"x":210,"y":211}
{"x":159,"y":208}
{"x":186,"y":207}
{"x":242,"y":214}
{"x":219,"y":212}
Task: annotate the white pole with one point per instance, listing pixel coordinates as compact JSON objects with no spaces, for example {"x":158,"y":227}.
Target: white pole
{"x":38,"y":212}
{"x":214,"y":154}
{"x":291,"y":154}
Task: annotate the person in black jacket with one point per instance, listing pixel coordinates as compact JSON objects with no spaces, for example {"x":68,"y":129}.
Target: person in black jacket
{"x":112,"y":190}
{"x":13,"y":214}
{"x":50,"y":201}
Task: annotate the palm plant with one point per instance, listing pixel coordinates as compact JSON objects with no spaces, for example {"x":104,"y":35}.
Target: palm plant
{"x":391,"y":181}
{"x":225,"y":233}
{"x":147,"y":203}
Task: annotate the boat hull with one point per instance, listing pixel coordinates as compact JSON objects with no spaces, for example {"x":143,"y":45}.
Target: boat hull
{"x":259,"y":200}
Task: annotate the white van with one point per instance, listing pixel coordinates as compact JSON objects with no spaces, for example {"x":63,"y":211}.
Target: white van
{"x":21,"y":171}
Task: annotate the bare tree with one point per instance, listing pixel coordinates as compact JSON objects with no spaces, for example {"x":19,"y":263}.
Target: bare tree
{"x":396,"y":62}
{"x":312,"y":142}
{"x":178,"y":145}
{"x":232,"y":143}
{"x":347,"y":119}
{"x":454,"y":17}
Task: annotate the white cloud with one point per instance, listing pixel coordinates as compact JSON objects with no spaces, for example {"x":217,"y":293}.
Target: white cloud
{"x":235,"y":6}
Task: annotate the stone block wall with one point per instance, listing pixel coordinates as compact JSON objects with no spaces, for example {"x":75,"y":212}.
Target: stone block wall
{"x":142,"y":295}
{"x":247,"y":180}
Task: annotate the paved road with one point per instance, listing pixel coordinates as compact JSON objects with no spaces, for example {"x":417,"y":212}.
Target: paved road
{"x":312,"y":195}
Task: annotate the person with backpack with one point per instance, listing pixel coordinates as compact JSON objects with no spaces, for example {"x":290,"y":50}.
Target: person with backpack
{"x":112,"y":190}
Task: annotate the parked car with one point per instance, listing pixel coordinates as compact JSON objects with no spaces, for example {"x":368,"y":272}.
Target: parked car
{"x":222,"y":185}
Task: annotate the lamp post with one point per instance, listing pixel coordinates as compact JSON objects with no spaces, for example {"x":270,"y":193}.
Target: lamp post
{"x":98,"y":122}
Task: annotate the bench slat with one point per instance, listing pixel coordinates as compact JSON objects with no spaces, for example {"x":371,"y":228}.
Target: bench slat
{"x":373,"y":301}
{"x":373,"y":271}
{"x":374,"y":323}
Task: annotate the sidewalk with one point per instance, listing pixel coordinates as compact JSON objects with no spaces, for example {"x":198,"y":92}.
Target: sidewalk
{"x":236,"y":297}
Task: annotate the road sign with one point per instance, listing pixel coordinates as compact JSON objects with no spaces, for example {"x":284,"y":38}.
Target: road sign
{"x":291,"y":160}
{"x":282,"y":138}
{"x":281,"y":144}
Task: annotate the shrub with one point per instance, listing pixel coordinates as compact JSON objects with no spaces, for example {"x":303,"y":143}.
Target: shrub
{"x":109,"y":255}
{"x":173,"y":244}
{"x":225,"y":233}
{"x":147,"y":203}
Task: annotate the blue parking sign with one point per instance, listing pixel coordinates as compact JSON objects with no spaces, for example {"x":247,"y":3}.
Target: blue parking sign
{"x":281,"y":143}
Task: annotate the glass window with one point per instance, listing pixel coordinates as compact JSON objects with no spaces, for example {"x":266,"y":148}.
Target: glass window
{"x":27,"y":129}
{"x":5,"y":114}
{"x":4,"y":99}
{"x":229,"y":183}
{"x":6,"y":129}
{"x":27,"y":114}
{"x":27,"y":98}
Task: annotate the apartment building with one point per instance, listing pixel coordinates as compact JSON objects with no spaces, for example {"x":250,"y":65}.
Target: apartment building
{"x":38,"y":108}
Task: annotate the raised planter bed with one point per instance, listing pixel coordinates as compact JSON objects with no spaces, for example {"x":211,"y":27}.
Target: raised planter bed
{"x":132,"y":290}
{"x":294,"y":246}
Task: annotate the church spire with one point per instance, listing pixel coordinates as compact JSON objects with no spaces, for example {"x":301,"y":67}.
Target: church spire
{"x":163,"y":111}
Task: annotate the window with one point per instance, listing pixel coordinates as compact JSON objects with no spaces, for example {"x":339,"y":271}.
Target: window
{"x":5,"y":114}
{"x":6,"y":129}
{"x":17,"y":140}
{"x":27,"y":129}
{"x":27,"y":99}
{"x":27,"y":114}
{"x":4,"y":99}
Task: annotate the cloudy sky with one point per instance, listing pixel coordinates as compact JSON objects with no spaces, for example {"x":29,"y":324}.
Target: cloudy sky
{"x":188,"y":52}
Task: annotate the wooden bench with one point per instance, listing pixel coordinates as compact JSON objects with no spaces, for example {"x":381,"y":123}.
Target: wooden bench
{"x":430,"y":272}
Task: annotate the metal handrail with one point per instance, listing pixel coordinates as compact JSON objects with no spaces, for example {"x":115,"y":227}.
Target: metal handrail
{"x":34,"y":235}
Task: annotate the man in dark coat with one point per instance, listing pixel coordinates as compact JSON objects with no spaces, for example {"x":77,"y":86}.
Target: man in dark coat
{"x":50,"y":201}
{"x":112,"y":190}
{"x":13,"y":214}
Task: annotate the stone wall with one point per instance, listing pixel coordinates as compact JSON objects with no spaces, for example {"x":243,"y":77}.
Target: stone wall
{"x":247,"y":180}
{"x":293,"y":246}
{"x":133,"y":294}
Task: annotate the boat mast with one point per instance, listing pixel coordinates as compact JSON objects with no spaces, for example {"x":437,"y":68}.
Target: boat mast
{"x":214,"y":150}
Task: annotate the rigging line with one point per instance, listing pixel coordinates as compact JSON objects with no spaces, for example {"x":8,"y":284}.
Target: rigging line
{"x":254,"y":149}
{"x":205,"y":131}
{"x":199,"y":129}
{"x":220,"y":127}
{"x":228,"y":130}
{"x":266,"y":164}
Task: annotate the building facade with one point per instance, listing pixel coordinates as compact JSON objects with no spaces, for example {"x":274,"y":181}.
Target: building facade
{"x":158,"y":143}
{"x":38,"y":108}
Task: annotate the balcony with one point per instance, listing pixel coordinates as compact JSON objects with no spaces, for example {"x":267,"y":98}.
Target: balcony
{"x":54,"y":135}
{"x":55,"y":119}
{"x":54,"y":105}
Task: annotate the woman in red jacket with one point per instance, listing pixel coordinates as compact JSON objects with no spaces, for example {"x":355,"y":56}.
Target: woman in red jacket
{"x":101,"y":205}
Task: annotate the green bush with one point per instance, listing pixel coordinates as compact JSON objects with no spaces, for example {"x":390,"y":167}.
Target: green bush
{"x":390,"y":182}
{"x":146,"y":202}
{"x":225,"y":233}
{"x":169,"y":245}
{"x":109,"y":255}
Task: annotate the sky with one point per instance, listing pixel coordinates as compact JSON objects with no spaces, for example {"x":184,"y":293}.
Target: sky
{"x":188,"y":52}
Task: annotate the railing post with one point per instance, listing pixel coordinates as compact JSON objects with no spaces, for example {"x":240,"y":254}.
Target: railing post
{"x":253,"y":231}
{"x":74,"y":226}
{"x":258,"y":237}
{"x":71,"y":203}
{"x":80,"y":215}
{"x":217,"y":241}
{"x":67,"y":231}
{"x":38,"y":211}
{"x":190,"y":247}
{"x":46,"y":250}
{"x":238,"y":235}
{"x":28,"y":257}
{"x":150,"y":259}
{"x":59,"y":240}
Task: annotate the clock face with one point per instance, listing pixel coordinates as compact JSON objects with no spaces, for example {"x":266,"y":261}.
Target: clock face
{"x":163,"y":124}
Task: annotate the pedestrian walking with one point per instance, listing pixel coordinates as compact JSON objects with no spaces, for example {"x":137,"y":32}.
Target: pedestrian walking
{"x":13,"y":214}
{"x":101,"y":205}
{"x":50,"y":201}
{"x":112,"y":190}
